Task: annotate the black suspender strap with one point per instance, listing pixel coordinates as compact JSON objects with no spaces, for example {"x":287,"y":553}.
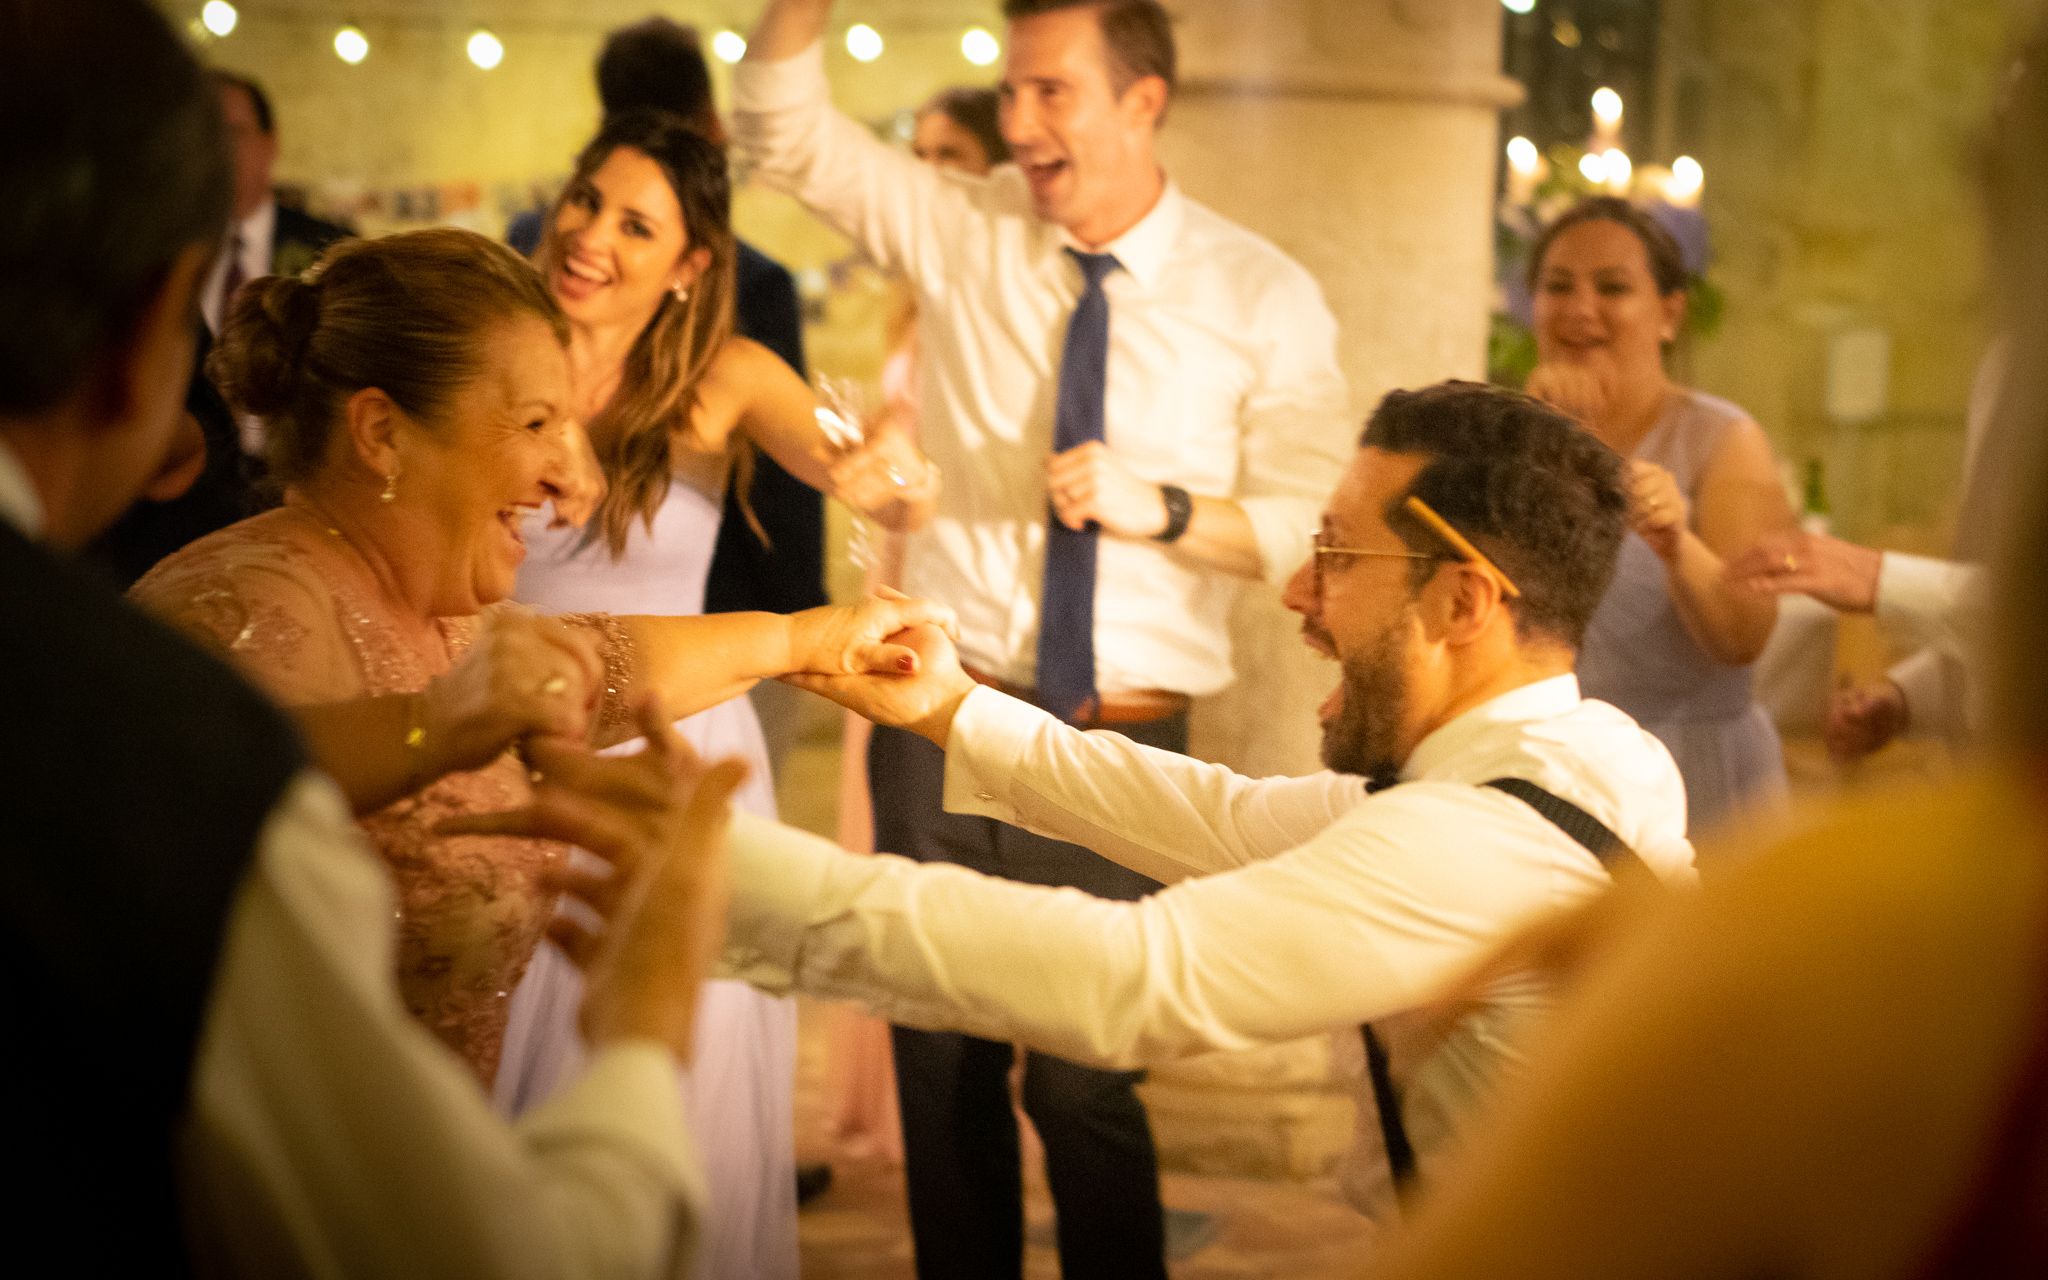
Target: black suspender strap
{"x":1612,"y":853}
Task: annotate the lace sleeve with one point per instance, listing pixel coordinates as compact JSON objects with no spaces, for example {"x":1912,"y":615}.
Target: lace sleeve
{"x":260,"y":613}
{"x":621,"y":669}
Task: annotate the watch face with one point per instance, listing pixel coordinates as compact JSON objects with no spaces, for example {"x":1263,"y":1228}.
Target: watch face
{"x":1180,"y":508}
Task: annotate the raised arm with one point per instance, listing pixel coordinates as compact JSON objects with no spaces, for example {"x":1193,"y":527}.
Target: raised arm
{"x":785,"y":129}
{"x":885,"y":477}
{"x":1157,"y":812}
{"x":1740,"y":501}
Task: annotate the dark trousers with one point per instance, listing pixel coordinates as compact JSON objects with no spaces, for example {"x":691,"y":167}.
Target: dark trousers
{"x":960,"y":1151}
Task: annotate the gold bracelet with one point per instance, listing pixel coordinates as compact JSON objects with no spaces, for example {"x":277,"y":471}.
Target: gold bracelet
{"x":416,"y":741}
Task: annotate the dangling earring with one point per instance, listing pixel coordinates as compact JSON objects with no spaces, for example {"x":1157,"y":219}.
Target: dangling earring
{"x":681,"y":292}
{"x":390,"y":493}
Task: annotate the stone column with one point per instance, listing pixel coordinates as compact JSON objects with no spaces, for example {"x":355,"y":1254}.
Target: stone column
{"x":1361,"y":137}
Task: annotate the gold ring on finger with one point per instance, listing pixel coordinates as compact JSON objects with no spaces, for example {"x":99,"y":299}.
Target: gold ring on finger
{"x":554,"y":685}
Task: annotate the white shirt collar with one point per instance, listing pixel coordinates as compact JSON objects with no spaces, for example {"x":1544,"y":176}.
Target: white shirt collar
{"x":1539,"y":700}
{"x":256,"y":231}
{"x":1143,"y":250}
{"x":20,"y":505}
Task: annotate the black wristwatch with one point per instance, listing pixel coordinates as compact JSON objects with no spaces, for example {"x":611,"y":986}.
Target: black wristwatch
{"x":1180,"y":509}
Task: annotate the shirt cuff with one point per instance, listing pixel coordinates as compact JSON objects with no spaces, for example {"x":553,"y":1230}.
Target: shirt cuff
{"x":627,"y":1097}
{"x":1282,"y":527}
{"x":759,"y":85}
{"x":985,"y":747}
{"x":1915,"y":594}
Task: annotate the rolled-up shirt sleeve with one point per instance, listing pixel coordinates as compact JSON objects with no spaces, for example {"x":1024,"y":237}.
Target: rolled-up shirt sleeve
{"x":1362,"y":921}
{"x":1296,"y":421}
{"x":788,"y":135}
{"x":1157,"y":812}
{"x":331,"y":1135}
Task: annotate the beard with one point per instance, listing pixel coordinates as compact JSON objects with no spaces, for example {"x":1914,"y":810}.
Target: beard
{"x":1363,"y":738}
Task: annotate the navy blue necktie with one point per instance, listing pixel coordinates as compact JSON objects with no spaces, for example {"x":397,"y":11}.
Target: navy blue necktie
{"x":1066,"y":618}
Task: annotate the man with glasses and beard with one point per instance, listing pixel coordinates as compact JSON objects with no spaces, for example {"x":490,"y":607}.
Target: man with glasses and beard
{"x":1470,"y":790}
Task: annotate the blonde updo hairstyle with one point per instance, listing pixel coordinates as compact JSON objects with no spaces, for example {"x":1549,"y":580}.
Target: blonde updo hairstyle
{"x":407,"y":314}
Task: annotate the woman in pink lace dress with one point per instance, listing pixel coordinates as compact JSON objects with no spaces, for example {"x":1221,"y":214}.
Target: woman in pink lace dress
{"x":415,"y":391}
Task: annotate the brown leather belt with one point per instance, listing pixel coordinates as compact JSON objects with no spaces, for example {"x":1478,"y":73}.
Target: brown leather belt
{"x":1133,"y":706}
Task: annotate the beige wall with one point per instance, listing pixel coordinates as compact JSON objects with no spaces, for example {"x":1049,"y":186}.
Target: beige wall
{"x":1839,"y":139}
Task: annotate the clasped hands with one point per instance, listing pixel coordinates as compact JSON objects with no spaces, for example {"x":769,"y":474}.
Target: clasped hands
{"x":527,"y":677}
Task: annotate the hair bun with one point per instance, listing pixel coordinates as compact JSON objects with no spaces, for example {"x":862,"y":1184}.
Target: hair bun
{"x":259,"y":362}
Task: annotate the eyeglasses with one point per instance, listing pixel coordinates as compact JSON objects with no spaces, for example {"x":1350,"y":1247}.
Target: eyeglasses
{"x":1321,"y":546}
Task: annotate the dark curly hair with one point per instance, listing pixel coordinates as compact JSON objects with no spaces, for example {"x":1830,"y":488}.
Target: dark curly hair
{"x":1529,"y":487}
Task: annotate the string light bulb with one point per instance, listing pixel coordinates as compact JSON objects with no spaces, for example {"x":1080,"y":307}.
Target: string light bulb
{"x":979,"y":47}
{"x":729,"y":46}
{"x":863,"y":42}
{"x":351,"y":45}
{"x":1607,"y":106}
{"x":1519,"y":6}
{"x":1593,"y":167}
{"x":1521,"y":155}
{"x":219,"y":17}
{"x":486,"y":50}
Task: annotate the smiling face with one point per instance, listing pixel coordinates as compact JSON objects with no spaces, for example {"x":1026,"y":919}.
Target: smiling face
{"x":502,"y":451}
{"x":1361,"y":610}
{"x":1597,"y":304}
{"x":1084,"y":148}
{"x":618,"y":246}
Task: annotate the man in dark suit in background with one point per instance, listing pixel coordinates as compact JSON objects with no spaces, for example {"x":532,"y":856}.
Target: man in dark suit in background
{"x":265,"y":238}
{"x":658,"y":63}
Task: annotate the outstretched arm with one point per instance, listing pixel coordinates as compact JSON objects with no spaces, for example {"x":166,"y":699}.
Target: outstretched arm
{"x":884,"y":476}
{"x":1157,"y":812}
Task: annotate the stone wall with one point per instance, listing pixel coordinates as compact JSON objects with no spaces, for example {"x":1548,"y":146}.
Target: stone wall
{"x":1840,"y":141}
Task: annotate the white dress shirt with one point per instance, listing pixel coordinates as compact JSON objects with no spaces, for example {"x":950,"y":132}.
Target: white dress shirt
{"x":331,"y":1135}
{"x":1293,"y":905}
{"x":1222,"y":379}
{"x":254,"y":235}
{"x":1944,"y":606}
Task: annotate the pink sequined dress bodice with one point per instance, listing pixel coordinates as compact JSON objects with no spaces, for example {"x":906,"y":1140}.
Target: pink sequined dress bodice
{"x":292,"y":605}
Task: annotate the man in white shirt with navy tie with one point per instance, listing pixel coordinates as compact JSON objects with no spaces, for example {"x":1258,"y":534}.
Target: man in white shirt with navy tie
{"x":1135,"y":404}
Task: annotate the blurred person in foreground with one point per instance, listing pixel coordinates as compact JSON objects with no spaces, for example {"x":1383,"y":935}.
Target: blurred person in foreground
{"x":212,"y":1068}
{"x":1835,"y":1061}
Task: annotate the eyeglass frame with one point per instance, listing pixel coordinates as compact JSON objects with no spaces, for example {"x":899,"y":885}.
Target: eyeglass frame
{"x":1466,"y":553}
